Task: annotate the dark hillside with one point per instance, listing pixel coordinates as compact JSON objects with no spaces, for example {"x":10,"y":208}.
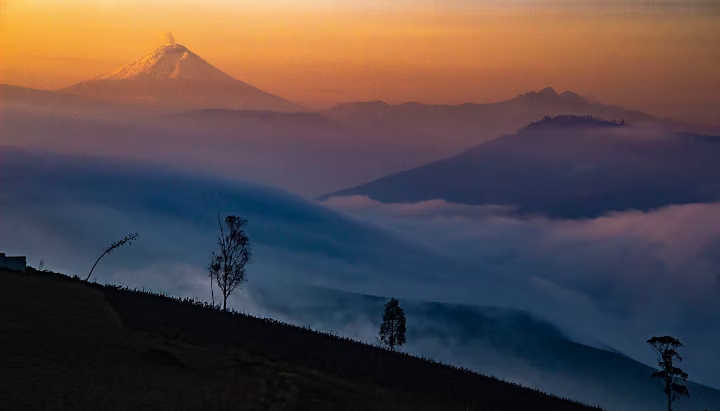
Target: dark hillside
{"x":69,"y":345}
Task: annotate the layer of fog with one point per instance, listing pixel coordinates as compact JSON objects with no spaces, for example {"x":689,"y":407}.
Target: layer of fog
{"x":305,"y":155}
{"x":614,"y":281}
{"x":643,"y":272}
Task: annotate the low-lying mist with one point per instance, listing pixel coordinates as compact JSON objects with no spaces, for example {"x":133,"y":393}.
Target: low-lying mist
{"x":612,"y":281}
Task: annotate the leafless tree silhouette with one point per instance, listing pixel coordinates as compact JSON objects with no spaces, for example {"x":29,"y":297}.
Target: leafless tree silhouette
{"x":227,"y":266}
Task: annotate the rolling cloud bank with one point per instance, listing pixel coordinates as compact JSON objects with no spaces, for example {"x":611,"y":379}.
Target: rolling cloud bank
{"x":469,"y":275}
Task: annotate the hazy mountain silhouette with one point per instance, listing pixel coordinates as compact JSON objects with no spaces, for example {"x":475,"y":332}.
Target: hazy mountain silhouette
{"x":14,"y":97}
{"x":301,"y":152}
{"x":566,"y":167}
{"x":174,"y":77}
{"x":468,"y":124}
{"x":309,"y":153}
{"x":223,"y":120}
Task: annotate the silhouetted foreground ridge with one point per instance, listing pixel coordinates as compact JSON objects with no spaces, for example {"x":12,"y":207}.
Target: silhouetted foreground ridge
{"x":330,"y":372}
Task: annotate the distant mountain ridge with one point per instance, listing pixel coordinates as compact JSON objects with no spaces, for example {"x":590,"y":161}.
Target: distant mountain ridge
{"x":172,"y":76}
{"x":549,"y":94}
{"x":465,"y":125}
{"x":575,"y":121}
{"x":305,"y":152}
{"x":29,"y":98}
{"x":219,"y":116}
{"x":569,"y":167}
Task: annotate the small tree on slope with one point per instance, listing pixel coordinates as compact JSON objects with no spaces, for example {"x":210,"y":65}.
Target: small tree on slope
{"x":669,"y":375}
{"x":227,"y":266}
{"x":392,"y":330}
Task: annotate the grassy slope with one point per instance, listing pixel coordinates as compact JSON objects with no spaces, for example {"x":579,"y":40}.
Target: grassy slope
{"x":69,"y":345}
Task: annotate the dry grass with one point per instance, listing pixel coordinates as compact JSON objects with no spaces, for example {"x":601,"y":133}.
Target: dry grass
{"x":63,"y":347}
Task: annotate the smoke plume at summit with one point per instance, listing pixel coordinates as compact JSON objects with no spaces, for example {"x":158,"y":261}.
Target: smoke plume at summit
{"x":169,"y":39}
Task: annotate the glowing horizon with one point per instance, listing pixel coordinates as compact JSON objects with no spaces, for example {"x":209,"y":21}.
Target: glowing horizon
{"x":662,"y":58}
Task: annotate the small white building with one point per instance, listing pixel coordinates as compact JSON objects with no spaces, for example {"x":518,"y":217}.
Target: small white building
{"x":12,"y":263}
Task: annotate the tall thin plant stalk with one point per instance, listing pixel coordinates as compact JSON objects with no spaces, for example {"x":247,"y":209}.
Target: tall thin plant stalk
{"x":127,"y":240}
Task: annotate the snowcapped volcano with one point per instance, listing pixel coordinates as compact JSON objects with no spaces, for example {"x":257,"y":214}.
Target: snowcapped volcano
{"x":168,"y":62}
{"x":174,"y":77}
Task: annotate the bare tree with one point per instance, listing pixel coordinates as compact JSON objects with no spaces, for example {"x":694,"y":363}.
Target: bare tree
{"x":227,"y":266}
{"x":669,"y":375}
{"x":127,"y":240}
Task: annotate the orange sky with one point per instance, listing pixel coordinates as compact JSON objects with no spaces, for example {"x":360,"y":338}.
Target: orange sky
{"x":660,"y":58}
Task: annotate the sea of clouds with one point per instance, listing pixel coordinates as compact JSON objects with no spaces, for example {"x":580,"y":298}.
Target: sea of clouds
{"x":607,"y":282}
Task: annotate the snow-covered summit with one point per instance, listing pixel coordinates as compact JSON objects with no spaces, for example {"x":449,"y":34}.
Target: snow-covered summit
{"x":174,"y":78}
{"x":168,"y":62}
